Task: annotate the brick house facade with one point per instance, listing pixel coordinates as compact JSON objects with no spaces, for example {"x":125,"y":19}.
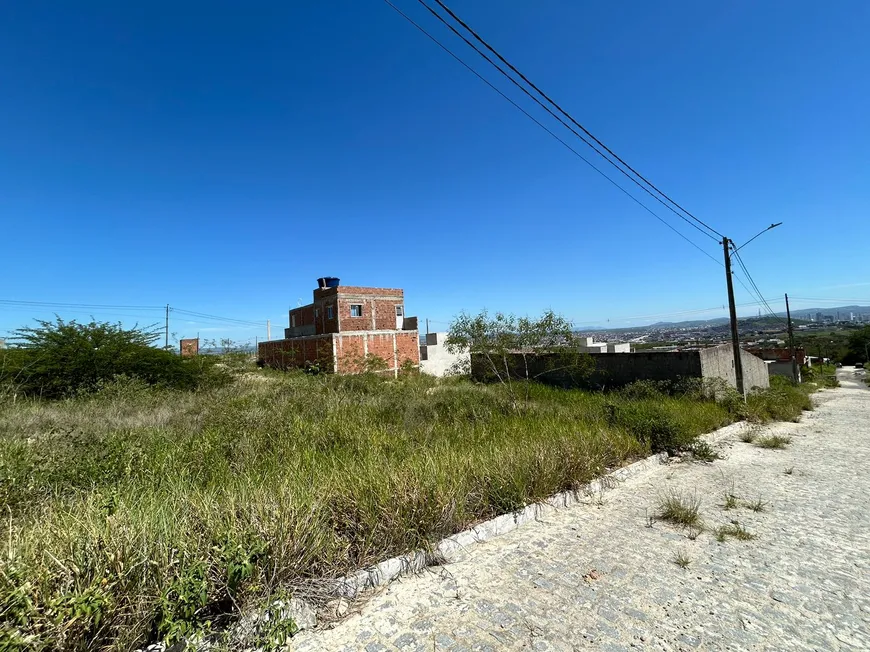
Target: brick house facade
{"x":343,"y":327}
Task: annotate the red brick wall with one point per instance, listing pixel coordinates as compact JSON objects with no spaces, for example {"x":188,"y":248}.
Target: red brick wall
{"x":189,"y":347}
{"x":780,"y":354}
{"x":349,"y":350}
{"x":408,"y":347}
{"x":383,"y":310}
{"x":304,"y":316}
{"x":382,"y":347}
{"x":353,"y":290}
{"x":324,"y":323}
{"x":296,"y":352}
{"x":395,"y":349}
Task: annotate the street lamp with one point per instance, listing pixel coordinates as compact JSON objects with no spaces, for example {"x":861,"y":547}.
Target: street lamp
{"x":772,"y":226}
{"x":735,"y":336}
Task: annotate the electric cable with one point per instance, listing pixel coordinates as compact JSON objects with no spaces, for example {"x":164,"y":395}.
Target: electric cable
{"x":563,"y":112}
{"x":548,"y":130}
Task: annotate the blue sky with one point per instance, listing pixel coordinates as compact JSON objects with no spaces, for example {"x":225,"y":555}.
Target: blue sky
{"x":221,"y":156}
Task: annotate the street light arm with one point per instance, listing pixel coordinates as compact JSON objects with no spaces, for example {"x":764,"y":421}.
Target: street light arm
{"x":772,"y":226}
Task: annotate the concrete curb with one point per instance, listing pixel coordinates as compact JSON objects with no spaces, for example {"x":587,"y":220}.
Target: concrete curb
{"x":448,"y":549}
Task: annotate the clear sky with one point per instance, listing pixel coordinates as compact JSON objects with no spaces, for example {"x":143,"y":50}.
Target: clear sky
{"x":220,"y":156}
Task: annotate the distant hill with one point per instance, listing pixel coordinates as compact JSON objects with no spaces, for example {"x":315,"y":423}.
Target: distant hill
{"x":798,"y":317}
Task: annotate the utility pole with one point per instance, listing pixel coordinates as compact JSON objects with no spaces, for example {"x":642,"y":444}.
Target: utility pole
{"x":794,"y":365}
{"x":735,"y":336}
{"x":268,"y":330}
{"x":166,"y":330}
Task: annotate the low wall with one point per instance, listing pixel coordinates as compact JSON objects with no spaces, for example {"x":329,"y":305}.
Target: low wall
{"x":610,"y":370}
{"x":619,"y":369}
{"x":718,"y":362}
{"x":613,"y":370}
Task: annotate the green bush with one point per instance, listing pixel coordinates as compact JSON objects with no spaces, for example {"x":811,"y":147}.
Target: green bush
{"x":61,"y":359}
{"x":782,"y":401}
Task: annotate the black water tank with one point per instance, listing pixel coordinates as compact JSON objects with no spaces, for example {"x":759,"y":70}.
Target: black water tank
{"x":328,"y":282}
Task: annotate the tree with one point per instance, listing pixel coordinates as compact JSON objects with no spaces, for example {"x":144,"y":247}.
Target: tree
{"x":507,"y":349}
{"x":60,"y":358}
{"x":859,"y":343}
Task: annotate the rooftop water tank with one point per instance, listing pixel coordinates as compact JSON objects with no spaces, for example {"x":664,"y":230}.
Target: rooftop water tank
{"x":328,"y":282}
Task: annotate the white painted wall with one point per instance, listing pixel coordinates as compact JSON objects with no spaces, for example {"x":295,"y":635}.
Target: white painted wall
{"x":435,"y":360}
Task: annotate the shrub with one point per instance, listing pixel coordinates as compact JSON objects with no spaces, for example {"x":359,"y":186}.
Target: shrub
{"x":782,"y":401}
{"x":60,"y":359}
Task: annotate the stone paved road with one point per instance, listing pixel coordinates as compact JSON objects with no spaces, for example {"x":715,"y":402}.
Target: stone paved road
{"x":597,"y":577}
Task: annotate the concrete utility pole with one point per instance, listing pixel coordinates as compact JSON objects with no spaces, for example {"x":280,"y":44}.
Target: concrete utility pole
{"x":166,"y":330}
{"x":794,"y":365}
{"x":268,"y":330}
{"x":735,"y":336}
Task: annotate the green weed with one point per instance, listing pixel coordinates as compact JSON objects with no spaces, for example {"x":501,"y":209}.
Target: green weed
{"x":704,"y":452}
{"x":137,"y":512}
{"x":773,"y":441}
{"x":680,"y":508}
{"x":748,"y":436}
{"x":681,"y":559}
{"x":733,"y":530}
{"x":756,"y":505}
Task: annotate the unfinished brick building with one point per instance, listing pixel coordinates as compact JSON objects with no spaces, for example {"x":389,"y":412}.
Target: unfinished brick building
{"x":347,"y":329}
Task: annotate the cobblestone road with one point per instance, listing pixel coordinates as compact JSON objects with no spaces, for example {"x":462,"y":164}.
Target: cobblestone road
{"x":597,"y":577}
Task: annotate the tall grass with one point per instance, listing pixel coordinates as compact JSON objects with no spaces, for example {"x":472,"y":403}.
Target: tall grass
{"x":136,"y":514}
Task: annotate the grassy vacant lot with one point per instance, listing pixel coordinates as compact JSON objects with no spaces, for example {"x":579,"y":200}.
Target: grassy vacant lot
{"x":135,"y":514}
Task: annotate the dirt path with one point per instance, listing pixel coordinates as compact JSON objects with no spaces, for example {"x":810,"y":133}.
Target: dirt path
{"x":598,"y":577}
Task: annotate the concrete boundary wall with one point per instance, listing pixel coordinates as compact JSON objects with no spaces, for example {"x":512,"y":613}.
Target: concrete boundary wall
{"x":614,"y":370}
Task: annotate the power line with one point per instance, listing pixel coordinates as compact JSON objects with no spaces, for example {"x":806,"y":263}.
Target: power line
{"x":565,"y":113}
{"x":754,"y":285}
{"x":83,"y":308}
{"x":76,"y":305}
{"x":560,"y":120}
{"x":548,"y":130}
{"x":231,"y":320}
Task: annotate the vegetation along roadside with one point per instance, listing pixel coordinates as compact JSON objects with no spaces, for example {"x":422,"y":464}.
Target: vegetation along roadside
{"x":148,"y":505}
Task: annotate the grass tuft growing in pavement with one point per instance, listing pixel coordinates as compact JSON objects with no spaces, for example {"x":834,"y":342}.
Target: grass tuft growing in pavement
{"x":733,"y":530}
{"x":681,"y":559}
{"x":756,"y":505}
{"x":680,"y":508}
{"x":773,"y":441}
